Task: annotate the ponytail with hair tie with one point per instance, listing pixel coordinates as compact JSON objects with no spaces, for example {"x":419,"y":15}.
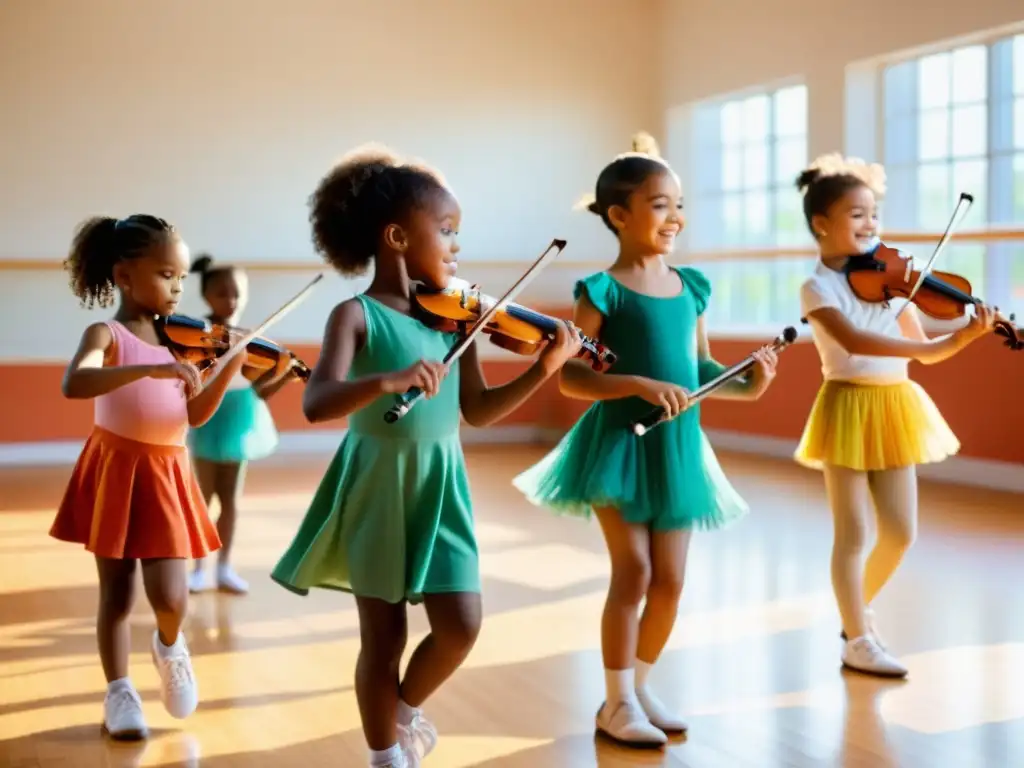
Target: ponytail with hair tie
{"x":622,"y":176}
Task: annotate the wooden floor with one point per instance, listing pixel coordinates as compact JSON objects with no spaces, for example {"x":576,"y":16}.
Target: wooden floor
{"x":754,"y":661}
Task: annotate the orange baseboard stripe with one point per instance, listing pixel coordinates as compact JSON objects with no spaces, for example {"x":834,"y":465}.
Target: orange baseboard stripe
{"x":974,"y":391}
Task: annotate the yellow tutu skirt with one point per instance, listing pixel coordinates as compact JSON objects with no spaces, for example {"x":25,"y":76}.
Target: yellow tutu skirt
{"x":874,"y":426}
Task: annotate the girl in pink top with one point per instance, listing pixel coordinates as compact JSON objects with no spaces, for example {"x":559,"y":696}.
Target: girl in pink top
{"x":132,"y":496}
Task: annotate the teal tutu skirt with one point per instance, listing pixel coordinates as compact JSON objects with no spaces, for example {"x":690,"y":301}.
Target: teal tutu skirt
{"x":242,"y":429}
{"x":668,"y":479}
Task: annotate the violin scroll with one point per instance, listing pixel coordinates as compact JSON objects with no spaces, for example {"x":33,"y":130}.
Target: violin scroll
{"x":1009,"y":331}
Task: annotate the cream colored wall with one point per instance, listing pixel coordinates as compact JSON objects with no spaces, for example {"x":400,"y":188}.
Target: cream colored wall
{"x":714,"y":47}
{"x":222,"y":116}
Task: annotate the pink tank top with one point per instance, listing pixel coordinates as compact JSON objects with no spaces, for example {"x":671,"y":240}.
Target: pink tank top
{"x":148,"y":410}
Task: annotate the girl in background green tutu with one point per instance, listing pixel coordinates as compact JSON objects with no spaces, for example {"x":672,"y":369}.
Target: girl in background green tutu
{"x":242,"y":429}
{"x":392,"y":520}
{"x":648,"y":493}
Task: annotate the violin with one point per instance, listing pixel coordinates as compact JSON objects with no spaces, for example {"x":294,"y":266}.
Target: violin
{"x":513,"y":327}
{"x":884,"y":273}
{"x":202,"y":342}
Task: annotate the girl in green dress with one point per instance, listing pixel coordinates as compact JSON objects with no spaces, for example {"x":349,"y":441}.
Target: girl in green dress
{"x":648,"y":493}
{"x":391,"y":521}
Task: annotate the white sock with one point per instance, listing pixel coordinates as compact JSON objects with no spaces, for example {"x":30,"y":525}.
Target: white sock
{"x":658,"y":713}
{"x":390,"y":756}
{"x":405,"y":713}
{"x":121,"y":683}
{"x":643,"y":669}
{"x":619,"y":685}
{"x":168,"y":650}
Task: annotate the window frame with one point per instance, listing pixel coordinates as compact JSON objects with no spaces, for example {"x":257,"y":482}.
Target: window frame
{"x":710,"y":207}
{"x":997,"y":258}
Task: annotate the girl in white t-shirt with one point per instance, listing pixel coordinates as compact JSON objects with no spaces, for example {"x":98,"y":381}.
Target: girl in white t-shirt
{"x":870,"y":425}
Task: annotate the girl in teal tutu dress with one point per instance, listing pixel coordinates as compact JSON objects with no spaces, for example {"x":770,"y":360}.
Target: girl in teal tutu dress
{"x":648,"y":493}
{"x":392,"y":519}
{"x":241,"y":430}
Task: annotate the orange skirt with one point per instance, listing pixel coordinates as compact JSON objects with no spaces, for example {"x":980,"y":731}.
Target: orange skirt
{"x":129,"y":500}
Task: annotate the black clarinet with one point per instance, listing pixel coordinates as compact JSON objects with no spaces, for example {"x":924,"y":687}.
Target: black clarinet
{"x":644,"y":425}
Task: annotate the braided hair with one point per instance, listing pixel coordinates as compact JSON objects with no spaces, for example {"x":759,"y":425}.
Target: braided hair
{"x":102,"y":242}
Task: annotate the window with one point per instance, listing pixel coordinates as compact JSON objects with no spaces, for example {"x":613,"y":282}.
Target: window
{"x":954,"y":122}
{"x":748,"y":152}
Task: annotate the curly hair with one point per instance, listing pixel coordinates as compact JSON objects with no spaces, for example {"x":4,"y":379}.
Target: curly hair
{"x":368,"y":189}
{"x":830,"y":177}
{"x":623,"y":175}
{"x":102,"y":242}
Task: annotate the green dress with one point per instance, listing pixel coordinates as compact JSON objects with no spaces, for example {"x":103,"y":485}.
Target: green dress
{"x":392,"y":517}
{"x":669,"y":478}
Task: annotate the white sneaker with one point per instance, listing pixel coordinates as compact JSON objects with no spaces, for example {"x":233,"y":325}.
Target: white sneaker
{"x":658,"y":713}
{"x":419,"y":736}
{"x":199,"y":581}
{"x":409,"y":759}
{"x":626,"y":723}
{"x":869,"y":618}
{"x":229,"y":581}
{"x":122,"y":714}
{"x":178,"y":689}
{"x":864,"y":654}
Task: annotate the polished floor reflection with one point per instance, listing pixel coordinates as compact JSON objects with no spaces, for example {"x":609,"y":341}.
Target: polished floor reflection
{"x":753,"y":661}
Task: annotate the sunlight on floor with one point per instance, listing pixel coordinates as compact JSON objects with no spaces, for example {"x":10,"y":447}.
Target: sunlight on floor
{"x":275,"y":671}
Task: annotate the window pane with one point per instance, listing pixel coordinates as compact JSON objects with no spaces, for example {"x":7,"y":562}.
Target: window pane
{"x":732,"y":168}
{"x":970,"y":74}
{"x":732,"y":218}
{"x":1017,"y":281}
{"x":790,"y":227}
{"x":1018,"y":188}
{"x":969,"y":131}
{"x":966,"y":260}
{"x":755,"y":118}
{"x":933,"y":135}
{"x":791,"y":111}
{"x":900,"y":141}
{"x":732,"y":123}
{"x":900,"y":211}
{"x":934,"y":201}
{"x":755,"y":209}
{"x":971,"y":176}
{"x":790,"y":159}
{"x":706,"y":128}
{"x":1018,"y":65}
{"x":1001,"y":125}
{"x":755,"y":167}
{"x":899,"y":88}
{"x":933,"y":81}
{"x":1018,"y":123}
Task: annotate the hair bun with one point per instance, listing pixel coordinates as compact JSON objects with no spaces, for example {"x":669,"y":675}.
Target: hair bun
{"x":871,"y":175}
{"x":806,"y":178}
{"x":645,"y":144}
{"x":202,"y":263}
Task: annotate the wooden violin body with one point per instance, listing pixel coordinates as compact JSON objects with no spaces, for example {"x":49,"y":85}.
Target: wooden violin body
{"x":201,"y":342}
{"x":885,"y":273}
{"x":514,"y":327}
